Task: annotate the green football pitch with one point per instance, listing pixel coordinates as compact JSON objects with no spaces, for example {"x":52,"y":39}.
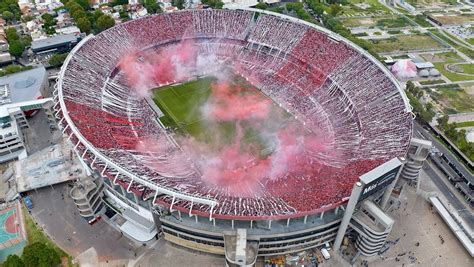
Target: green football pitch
{"x":183,"y":106}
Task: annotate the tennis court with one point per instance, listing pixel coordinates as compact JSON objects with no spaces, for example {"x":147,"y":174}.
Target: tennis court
{"x":12,"y":233}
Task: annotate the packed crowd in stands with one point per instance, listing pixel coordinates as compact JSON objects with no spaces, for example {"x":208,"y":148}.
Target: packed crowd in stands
{"x":323,"y":82}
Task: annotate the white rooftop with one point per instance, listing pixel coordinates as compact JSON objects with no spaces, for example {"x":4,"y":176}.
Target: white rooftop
{"x":22,"y":86}
{"x":49,"y":166}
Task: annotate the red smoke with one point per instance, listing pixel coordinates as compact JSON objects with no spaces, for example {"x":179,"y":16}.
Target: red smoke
{"x":236,"y":167}
{"x":234,"y":103}
{"x":147,"y":70}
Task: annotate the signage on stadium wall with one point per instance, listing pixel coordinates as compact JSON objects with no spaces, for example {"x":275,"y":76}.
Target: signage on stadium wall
{"x":379,"y":178}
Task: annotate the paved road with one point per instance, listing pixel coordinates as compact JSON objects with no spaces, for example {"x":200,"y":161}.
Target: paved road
{"x":420,"y":132}
{"x":460,"y":207}
{"x":440,"y":181}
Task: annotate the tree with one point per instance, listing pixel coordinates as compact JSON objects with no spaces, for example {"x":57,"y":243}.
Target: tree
{"x":16,"y":48}
{"x":97,"y":14}
{"x":85,"y":4}
{"x":119,"y":2}
{"x":12,"y":69}
{"x":12,"y":34}
{"x":40,"y":255}
{"x":49,"y":23}
{"x":410,"y":86}
{"x":213,"y":3}
{"x":75,"y":8}
{"x":152,"y":7}
{"x":13,"y":261}
{"x":84,"y":25}
{"x":335,"y":9}
{"x":104,"y":22}
{"x":8,"y":16}
{"x":443,"y":122}
{"x":261,"y":5}
{"x":77,"y":14}
{"x":57,"y":59}
{"x":316,"y":6}
{"x":12,"y":7}
{"x":47,"y":18}
{"x":124,"y":16}
{"x":179,"y":3}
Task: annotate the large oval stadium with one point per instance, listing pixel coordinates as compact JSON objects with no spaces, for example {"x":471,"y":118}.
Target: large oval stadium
{"x":237,"y":117}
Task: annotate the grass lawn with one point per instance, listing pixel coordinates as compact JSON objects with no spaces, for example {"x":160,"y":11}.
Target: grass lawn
{"x":428,"y":82}
{"x":359,"y":22}
{"x":468,"y":68}
{"x":450,"y":57}
{"x":179,"y":102}
{"x":35,"y":234}
{"x":184,"y":106}
{"x":400,"y":57}
{"x":457,"y":19}
{"x":398,"y":22}
{"x":465,"y":124}
{"x":374,"y":8}
{"x":452,"y":76}
{"x":420,"y":20}
{"x":431,"y":3}
{"x":468,"y":52}
{"x":406,"y":43}
{"x":453,"y":99}
{"x":386,"y":22}
{"x":439,"y":60}
{"x":471,"y":41}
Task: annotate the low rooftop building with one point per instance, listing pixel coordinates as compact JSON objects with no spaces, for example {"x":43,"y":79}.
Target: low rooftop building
{"x":64,"y":42}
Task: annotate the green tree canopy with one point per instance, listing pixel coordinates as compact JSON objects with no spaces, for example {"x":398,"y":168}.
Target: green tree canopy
{"x":104,"y":22}
{"x":261,"y":5}
{"x":8,"y":16}
{"x":77,"y":14}
{"x":97,"y":14}
{"x":49,"y":23}
{"x":12,"y":34}
{"x":316,"y":6}
{"x":85,"y":4}
{"x":152,"y":6}
{"x":73,"y":7}
{"x":119,"y":2}
{"x":12,"y":69}
{"x":335,"y":9}
{"x":13,"y":261}
{"x":12,"y":7}
{"x":57,"y":59}
{"x":178,"y":3}
{"x":16,"y":48}
{"x":213,"y":3}
{"x":47,"y":18}
{"x":84,"y":25}
{"x":40,"y":255}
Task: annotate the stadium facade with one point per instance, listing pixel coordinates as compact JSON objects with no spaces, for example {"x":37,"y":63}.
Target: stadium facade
{"x":320,"y":78}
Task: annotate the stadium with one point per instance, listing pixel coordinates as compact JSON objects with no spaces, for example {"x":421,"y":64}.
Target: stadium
{"x":202,"y":122}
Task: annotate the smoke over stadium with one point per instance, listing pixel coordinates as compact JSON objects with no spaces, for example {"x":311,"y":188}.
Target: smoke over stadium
{"x":230,"y":113}
{"x":236,"y":167}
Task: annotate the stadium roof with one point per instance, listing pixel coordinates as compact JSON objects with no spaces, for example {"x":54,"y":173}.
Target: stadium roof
{"x":368,"y":112}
